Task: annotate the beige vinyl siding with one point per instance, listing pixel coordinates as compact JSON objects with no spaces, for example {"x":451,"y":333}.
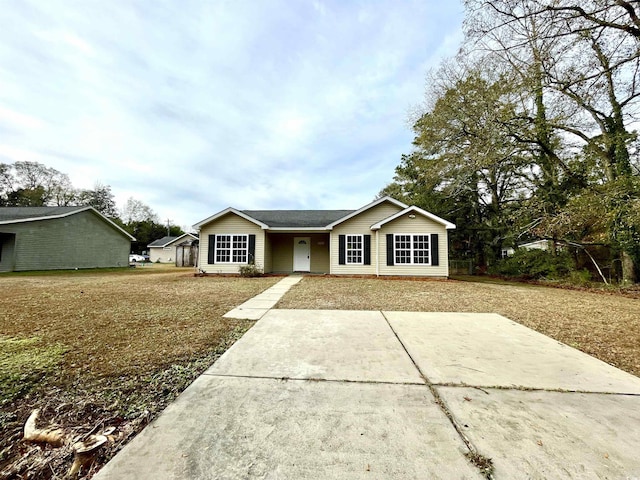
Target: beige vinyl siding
{"x":229,"y":224}
{"x":165,"y":254}
{"x":418,"y":225}
{"x":282,"y":251}
{"x":159,"y":254}
{"x":360,"y":225}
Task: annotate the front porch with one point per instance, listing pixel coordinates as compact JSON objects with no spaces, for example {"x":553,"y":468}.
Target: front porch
{"x":299,"y":251}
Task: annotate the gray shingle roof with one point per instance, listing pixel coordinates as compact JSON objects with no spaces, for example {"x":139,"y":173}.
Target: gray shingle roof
{"x":297,"y":218}
{"x":23,"y":213}
{"x":161,"y":242}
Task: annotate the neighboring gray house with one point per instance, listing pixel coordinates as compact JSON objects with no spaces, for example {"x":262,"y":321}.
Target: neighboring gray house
{"x":163,"y":250}
{"x":57,"y":238}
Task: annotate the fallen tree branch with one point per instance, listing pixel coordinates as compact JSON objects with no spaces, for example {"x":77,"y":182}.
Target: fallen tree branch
{"x":593,"y":260}
{"x":84,"y":450}
{"x":50,"y":435}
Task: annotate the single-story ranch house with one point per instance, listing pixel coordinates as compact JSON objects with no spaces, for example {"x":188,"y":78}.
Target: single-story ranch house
{"x":54,"y":238}
{"x":385,"y":237}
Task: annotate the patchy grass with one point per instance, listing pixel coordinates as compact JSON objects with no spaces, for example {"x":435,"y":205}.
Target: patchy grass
{"x":23,"y":361}
{"x":605,"y":325}
{"x":96,"y":348}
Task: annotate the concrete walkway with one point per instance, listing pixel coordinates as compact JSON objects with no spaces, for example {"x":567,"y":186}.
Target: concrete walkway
{"x":256,"y":307}
{"x":374,"y":395}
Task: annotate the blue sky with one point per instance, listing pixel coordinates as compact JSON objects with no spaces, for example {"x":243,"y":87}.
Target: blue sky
{"x":194,"y":106}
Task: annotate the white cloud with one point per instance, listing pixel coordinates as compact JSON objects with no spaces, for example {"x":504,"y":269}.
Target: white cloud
{"x":194,"y":106}
{"x":12,"y":119}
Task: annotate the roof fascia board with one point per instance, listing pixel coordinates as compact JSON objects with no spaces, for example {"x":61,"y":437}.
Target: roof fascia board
{"x":47,"y":217}
{"x":222,"y":213}
{"x":113,"y":224}
{"x":447,"y":225}
{"x":367,"y":207}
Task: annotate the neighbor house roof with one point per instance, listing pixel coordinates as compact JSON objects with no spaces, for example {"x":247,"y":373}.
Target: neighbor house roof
{"x":10,"y":215}
{"x":161,"y":242}
{"x":164,"y":241}
{"x":25,"y":214}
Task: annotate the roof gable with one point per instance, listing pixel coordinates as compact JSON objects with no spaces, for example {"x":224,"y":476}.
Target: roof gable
{"x":227,"y":211}
{"x":365,"y":208}
{"x":414,"y":209}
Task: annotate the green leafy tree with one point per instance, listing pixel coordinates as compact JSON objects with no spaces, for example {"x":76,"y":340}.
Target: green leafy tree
{"x":466,"y":165}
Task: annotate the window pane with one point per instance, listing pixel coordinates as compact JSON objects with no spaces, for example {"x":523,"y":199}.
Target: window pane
{"x":403,"y":248}
{"x":240,"y":243}
{"x":223,"y":249}
{"x":354,"y":249}
{"x":421,"y":249}
{"x":232,"y":248}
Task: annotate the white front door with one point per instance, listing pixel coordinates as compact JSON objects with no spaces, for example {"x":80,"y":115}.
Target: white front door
{"x":301,"y":254}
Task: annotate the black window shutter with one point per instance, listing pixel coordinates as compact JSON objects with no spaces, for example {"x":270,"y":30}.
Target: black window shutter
{"x":342,"y":249}
{"x":389,"y":248}
{"x":435,"y":261}
{"x":252,"y":249}
{"x":367,"y":249}
{"x":212,"y":250}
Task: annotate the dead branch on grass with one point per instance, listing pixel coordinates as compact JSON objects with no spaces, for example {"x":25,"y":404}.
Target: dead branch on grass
{"x":85,"y":448}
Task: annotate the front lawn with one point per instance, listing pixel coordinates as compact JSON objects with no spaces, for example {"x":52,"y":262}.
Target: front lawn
{"x":102,"y":349}
{"x":113,"y":348}
{"x":603,"y":324}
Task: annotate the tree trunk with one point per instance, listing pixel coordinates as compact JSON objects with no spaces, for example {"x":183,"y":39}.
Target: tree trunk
{"x":628,"y":268}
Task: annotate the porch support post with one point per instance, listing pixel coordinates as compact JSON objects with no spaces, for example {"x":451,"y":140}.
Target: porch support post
{"x":377,"y":254}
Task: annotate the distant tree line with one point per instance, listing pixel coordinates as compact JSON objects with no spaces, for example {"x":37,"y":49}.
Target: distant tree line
{"x":32,"y":184}
{"x":529,"y":132}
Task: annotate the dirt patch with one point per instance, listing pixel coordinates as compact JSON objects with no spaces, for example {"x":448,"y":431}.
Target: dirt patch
{"x":606,"y":326}
{"x":114,"y":349}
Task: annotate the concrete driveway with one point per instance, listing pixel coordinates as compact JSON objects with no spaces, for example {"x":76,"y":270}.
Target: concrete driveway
{"x":373,"y":395}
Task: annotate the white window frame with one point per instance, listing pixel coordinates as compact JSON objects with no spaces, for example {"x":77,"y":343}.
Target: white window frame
{"x":234,"y":251}
{"x":347,"y":250}
{"x":412,"y":248}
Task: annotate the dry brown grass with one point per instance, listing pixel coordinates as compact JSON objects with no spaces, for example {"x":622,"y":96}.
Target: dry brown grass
{"x":117,"y":323}
{"x":603,"y":325}
{"x":97,"y":349}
